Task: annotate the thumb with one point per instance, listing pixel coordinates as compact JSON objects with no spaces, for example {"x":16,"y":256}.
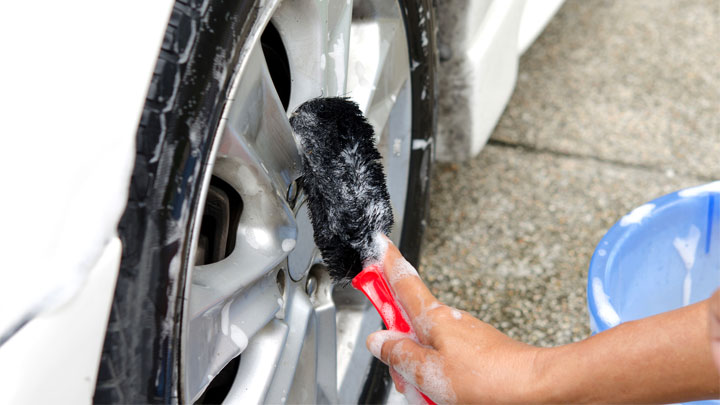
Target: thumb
{"x":421,"y":366}
{"x":377,"y":340}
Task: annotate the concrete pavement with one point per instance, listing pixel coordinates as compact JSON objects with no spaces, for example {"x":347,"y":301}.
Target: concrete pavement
{"x":617,"y":103}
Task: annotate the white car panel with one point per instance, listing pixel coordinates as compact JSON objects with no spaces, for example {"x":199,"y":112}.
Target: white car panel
{"x":494,"y":58}
{"x":73,"y":86}
{"x":536,"y":15}
{"x":54,"y":359}
{"x":480,"y":45}
{"x":71,"y":102}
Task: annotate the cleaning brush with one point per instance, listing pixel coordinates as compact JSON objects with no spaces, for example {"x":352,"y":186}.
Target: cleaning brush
{"x":344,"y":183}
{"x":348,"y":200}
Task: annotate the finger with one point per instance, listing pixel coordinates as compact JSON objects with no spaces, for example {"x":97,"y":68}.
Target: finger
{"x":420,"y":366}
{"x":376,"y":340}
{"x":400,"y":383}
{"x":399,"y":352}
{"x":412,"y":395}
{"x":410,"y":291}
{"x":374,"y":343}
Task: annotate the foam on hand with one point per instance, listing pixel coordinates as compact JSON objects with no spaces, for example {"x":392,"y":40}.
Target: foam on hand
{"x":424,"y":321}
{"x":431,"y":370}
{"x":401,"y":269}
{"x":378,"y":339}
{"x":413,"y":397}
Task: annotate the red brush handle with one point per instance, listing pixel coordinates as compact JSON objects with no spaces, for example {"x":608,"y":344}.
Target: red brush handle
{"x":373,"y":284}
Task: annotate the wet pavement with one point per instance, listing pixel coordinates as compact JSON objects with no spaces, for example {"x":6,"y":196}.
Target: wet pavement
{"x":617,"y":103}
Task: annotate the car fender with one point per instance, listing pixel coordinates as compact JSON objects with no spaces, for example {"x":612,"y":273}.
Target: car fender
{"x":74,"y":83}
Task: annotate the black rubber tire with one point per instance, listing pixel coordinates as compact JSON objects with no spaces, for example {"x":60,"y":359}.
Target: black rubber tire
{"x":180,"y":117}
{"x":183,"y":108}
{"x":419,"y":18}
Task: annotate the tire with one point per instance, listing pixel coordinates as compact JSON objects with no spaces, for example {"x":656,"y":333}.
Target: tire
{"x":204,"y":46}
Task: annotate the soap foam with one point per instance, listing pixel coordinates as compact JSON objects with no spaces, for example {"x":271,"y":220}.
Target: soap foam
{"x":387,"y":313}
{"x":413,"y":397}
{"x":436,"y":384}
{"x":378,"y":339}
{"x":423,"y":321}
{"x":456,"y":314}
{"x":420,"y":144}
{"x":288,"y":245}
{"x":238,"y":337}
{"x":376,"y":251}
{"x":402,"y":269}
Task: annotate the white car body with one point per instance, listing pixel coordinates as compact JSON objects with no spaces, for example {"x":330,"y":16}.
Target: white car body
{"x":480,"y":43}
{"x":73,"y":87}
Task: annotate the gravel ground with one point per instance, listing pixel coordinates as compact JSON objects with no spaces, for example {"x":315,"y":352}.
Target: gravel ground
{"x":616,"y":103}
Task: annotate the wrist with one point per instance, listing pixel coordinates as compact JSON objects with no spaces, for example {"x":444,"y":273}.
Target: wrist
{"x":537,"y":387}
{"x":551,"y":377}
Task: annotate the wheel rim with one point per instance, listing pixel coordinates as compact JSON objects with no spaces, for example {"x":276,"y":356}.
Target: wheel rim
{"x":270,"y":300}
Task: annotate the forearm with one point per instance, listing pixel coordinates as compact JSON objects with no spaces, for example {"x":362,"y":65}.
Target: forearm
{"x":664,"y":358}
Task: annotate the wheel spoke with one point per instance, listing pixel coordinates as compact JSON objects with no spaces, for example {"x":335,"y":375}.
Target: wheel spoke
{"x":354,"y":324}
{"x":338,"y":22}
{"x":303,"y":389}
{"x":258,"y":364}
{"x":220,"y":329}
{"x":395,"y":147}
{"x":258,"y":140}
{"x":326,"y":342}
{"x":305,"y":252}
{"x":320,"y":34}
{"x":259,"y":158}
{"x":298,"y":317}
{"x":377,"y":67}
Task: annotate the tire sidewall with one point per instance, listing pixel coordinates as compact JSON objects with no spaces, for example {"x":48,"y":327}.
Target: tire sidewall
{"x":185,"y":100}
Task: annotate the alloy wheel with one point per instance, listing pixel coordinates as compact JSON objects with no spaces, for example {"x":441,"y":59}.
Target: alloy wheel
{"x":263,"y":319}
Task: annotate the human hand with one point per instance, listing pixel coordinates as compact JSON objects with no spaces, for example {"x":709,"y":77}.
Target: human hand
{"x":459,"y":359}
{"x":714,"y":327}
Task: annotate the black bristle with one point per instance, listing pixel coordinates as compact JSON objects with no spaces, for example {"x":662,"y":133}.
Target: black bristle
{"x":344,"y":183}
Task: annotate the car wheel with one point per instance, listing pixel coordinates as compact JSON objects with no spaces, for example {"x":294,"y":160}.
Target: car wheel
{"x":222,"y":294}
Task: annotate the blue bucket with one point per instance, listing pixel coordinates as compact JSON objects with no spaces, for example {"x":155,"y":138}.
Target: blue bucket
{"x":661,"y":256}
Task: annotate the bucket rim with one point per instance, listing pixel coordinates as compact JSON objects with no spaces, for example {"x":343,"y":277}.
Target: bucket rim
{"x":603,"y":315}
